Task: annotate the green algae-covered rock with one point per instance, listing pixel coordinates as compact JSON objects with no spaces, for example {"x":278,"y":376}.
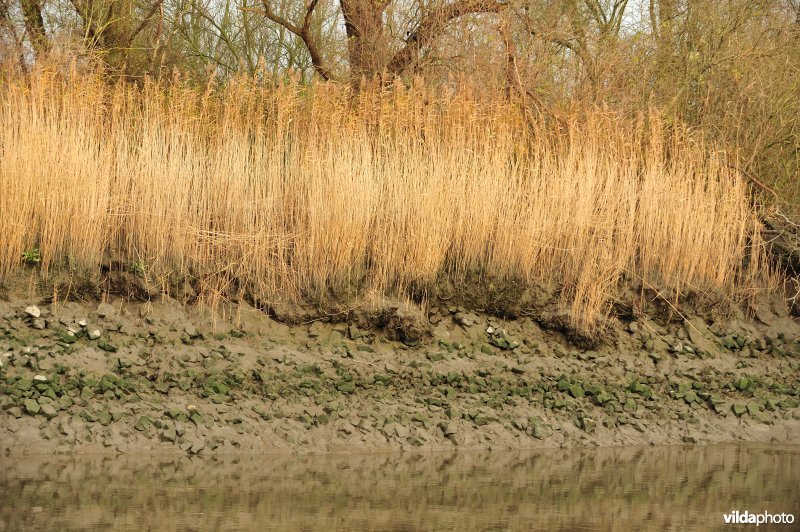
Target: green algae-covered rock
{"x":31,"y":406}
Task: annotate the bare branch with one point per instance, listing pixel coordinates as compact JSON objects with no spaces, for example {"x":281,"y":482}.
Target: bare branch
{"x":432,"y":25}
{"x":304,"y":33}
{"x":309,"y":13}
{"x":145,"y":21}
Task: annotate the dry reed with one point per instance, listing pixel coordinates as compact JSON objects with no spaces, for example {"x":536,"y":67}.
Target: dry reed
{"x":300,"y":192}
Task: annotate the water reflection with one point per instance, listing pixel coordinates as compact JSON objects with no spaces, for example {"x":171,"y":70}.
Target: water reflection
{"x":658,"y":488}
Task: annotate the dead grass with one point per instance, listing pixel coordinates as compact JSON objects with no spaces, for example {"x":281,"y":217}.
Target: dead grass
{"x":301,"y":192}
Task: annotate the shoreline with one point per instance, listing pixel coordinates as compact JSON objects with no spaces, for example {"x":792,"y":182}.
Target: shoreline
{"x":161,"y":378}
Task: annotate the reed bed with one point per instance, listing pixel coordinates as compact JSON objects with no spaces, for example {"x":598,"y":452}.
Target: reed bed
{"x":296,"y":192}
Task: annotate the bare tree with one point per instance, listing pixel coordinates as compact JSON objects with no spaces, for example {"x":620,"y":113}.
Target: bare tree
{"x":369,"y":48}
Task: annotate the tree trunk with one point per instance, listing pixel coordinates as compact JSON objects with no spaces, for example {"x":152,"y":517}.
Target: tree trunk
{"x":363,"y":22}
{"x":34,"y":25}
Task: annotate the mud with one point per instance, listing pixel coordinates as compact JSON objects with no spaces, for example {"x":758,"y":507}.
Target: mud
{"x":164,"y":377}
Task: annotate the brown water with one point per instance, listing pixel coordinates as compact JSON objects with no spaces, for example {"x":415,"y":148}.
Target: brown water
{"x":654,"y":488}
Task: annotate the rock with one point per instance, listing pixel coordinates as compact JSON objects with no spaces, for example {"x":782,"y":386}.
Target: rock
{"x":463,"y":320}
{"x":699,"y":334}
{"x":191,"y":330}
{"x":346,"y":387}
{"x":68,"y":337}
{"x":197,"y":447}
{"x":316,"y":329}
{"x":39,"y":378}
{"x":104,"y":310}
{"x":24,"y":384}
{"x":49,"y":411}
{"x":789,"y":403}
{"x":31,"y":406}
{"x":588,"y":424}
{"x":421,"y":419}
{"x":354,"y":333}
{"x":447,"y":430}
{"x":764,"y":314}
{"x":33,"y":311}
{"x":105,"y":346}
{"x":89,"y":417}
{"x":743,"y":384}
{"x":499,"y":341}
{"x":143,"y":423}
{"x":576,"y":391}
{"x":481,"y":420}
{"x":753,"y":408}
{"x":739,"y":410}
{"x":602,"y":398}
{"x":169,"y":435}
{"x":38,"y":323}
{"x":104,"y":418}
{"x":94,"y":334}
{"x":542,"y":432}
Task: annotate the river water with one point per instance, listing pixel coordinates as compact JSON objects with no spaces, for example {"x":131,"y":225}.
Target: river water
{"x":647,"y":488}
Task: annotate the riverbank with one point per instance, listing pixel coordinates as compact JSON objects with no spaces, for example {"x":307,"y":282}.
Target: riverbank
{"x":159,"y":377}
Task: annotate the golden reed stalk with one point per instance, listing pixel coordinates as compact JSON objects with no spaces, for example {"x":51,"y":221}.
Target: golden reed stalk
{"x":298,"y":192}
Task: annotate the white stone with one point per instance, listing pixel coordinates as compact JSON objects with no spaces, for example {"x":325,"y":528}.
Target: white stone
{"x":33,"y":311}
{"x":94,"y":334}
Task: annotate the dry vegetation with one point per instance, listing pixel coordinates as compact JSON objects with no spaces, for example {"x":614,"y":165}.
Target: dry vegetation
{"x":311,"y":192}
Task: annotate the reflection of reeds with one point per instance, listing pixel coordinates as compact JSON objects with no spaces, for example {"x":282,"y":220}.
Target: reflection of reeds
{"x":635,"y":488}
{"x":296,"y":192}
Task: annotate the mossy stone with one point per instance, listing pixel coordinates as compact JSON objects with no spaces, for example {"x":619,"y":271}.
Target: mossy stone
{"x":31,"y":406}
{"x":576,"y":391}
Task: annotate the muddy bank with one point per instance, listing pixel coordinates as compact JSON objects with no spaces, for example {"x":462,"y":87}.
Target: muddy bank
{"x":158,"y":377}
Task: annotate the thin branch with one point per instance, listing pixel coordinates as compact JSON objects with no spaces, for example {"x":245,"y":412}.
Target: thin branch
{"x":145,"y":22}
{"x":309,"y":13}
{"x":430,"y":27}
{"x":301,"y":31}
